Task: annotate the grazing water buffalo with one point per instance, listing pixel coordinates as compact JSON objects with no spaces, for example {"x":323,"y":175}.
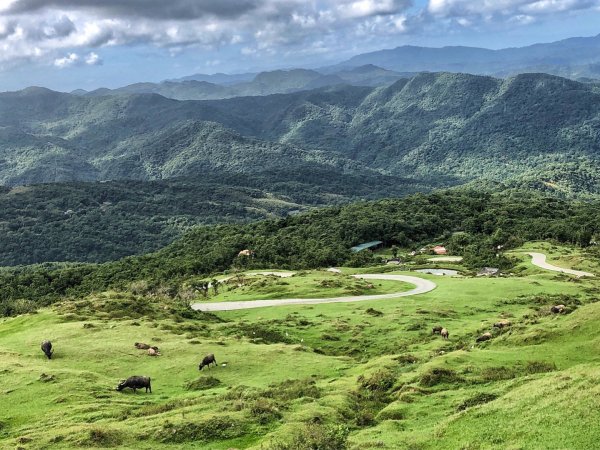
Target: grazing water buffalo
{"x":135,"y":382}
{"x":484,"y":337}
{"x":207,"y":361}
{"x":153,"y":351}
{"x":444,"y":333}
{"x":502,"y":324}
{"x":437,"y":330}
{"x":557,"y":309}
{"x":141,"y":346}
{"x":47,"y":349}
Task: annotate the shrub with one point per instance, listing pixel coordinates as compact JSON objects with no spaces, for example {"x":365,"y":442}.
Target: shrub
{"x":202,"y":383}
{"x":381,"y":381}
{"x":293,"y":389}
{"x":478,"y":399}
{"x":498,"y":373}
{"x":100,"y":437}
{"x":532,"y":367}
{"x":265,"y":410}
{"x":407,"y":359}
{"x":439,"y":375}
{"x":314,"y":436}
{"x":215,"y":428}
{"x":329,"y":337}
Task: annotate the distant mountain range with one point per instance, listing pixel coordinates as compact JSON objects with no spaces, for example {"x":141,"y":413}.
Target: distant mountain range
{"x":572,"y":58}
{"x":198,"y":87}
{"x":575,"y":58}
{"x":448,"y":127}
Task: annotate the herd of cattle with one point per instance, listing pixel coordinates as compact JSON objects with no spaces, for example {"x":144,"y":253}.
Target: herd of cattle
{"x":138,"y":382}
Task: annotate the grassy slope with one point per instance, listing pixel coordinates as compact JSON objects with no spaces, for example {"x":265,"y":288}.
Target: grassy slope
{"x":553,"y":408}
{"x":319,"y":284}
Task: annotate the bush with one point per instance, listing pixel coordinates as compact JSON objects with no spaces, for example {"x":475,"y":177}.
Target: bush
{"x":215,"y":428}
{"x":532,"y":367}
{"x":478,"y":399}
{"x":202,"y":383}
{"x":293,"y":389}
{"x":265,"y":410}
{"x":381,"y":381}
{"x":314,"y":437}
{"x":100,"y":437}
{"x":439,"y":375}
{"x":374,"y":312}
{"x":498,"y":373}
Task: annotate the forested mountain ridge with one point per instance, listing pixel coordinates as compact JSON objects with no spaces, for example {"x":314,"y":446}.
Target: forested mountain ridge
{"x":443,"y":125}
{"x":204,"y":87}
{"x":574,"y":57}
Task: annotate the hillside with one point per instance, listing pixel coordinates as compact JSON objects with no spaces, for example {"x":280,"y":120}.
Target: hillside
{"x":324,"y":376}
{"x":96,"y":222}
{"x":448,"y":127}
{"x":472,"y":221}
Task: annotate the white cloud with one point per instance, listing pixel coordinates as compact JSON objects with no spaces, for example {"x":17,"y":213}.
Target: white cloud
{"x":70,"y":60}
{"x":47,"y":30}
{"x":92,"y":59}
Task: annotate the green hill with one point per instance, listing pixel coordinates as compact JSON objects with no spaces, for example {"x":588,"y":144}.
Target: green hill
{"x":341,"y":376}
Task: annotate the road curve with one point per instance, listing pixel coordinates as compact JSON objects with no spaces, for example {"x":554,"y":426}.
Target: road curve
{"x":421,"y":286}
{"x":539,"y":259}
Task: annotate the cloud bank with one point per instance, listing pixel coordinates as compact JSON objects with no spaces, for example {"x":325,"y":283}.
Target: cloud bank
{"x":70,"y":33}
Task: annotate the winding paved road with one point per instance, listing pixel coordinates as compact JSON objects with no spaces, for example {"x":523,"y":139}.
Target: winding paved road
{"x":421,"y":286}
{"x":539,"y":259}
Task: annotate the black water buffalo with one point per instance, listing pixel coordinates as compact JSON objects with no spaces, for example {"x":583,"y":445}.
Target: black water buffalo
{"x":207,"y":361}
{"x":437,"y":330}
{"x":135,"y":382}
{"x":47,"y":349}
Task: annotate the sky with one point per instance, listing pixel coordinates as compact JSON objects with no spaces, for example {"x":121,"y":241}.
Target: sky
{"x":69,"y":44}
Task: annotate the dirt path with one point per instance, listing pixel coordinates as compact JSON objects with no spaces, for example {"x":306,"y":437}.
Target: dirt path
{"x":421,"y":286}
{"x":539,"y":259}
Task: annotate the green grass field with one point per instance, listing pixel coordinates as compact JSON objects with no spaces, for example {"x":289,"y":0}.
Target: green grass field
{"x":314,"y":284}
{"x":331,"y":376}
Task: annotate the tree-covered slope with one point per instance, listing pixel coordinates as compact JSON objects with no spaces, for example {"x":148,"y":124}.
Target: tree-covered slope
{"x":472,"y":222}
{"x":445,"y":126}
{"x":102,"y":221}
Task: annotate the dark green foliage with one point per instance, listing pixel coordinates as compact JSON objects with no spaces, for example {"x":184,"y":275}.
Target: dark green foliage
{"x":95,"y":222}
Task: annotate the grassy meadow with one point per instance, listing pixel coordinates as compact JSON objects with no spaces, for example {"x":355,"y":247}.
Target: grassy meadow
{"x":366,"y":375}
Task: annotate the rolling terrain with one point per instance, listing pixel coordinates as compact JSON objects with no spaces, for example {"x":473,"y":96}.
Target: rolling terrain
{"x":322,"y":375}
{"x":450,"y":127}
